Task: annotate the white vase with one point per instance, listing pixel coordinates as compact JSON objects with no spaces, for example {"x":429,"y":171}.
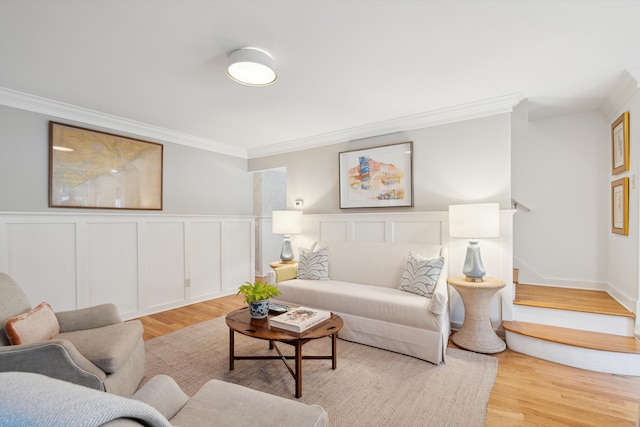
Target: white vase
{"x":259,"y":309}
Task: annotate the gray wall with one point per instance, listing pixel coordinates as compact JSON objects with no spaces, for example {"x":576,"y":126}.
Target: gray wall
{"x":467,"y":161}
{"x":195,"y":181}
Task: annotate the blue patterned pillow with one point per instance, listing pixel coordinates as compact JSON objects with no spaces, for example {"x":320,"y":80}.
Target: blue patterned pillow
{"x":313,"y":265}
{"x":421,"y":274}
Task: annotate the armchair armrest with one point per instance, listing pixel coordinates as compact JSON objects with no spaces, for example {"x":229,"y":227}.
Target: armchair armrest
{"x":164,"y":394}
{"x":88,"y":318}
{"x":55,"y":358}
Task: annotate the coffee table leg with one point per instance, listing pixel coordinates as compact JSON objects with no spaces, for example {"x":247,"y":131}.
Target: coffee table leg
{"x":231,"y":345}
{"x":334,"y":342}
{"x":298,"y":368}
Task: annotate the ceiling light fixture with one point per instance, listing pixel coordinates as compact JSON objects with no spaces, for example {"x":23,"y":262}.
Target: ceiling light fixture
{"x":251,"y":66}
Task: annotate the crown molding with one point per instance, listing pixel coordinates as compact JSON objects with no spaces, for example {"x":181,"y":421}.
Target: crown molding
{"x":625,"y":88}
{"x":473,"y":110}
{"x":36,"y":104}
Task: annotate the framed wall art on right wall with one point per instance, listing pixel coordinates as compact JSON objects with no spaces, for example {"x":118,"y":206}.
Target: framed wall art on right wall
{"x":620,"y":206}
{"x":620,"y":144}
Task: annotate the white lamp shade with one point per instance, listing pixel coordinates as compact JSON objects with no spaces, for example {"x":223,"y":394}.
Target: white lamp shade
{"x":286,"y":222}
{"x":474,"y":221}
{"x":251,"y":66}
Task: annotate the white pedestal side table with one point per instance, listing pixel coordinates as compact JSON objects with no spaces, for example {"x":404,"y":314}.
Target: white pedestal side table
{"x":476,"y":333}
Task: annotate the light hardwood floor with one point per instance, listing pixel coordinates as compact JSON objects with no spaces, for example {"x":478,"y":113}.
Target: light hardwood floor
{"x":528,"y":391}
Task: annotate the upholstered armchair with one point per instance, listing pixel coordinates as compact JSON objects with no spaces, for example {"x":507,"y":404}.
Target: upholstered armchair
{"x":91,"y":346}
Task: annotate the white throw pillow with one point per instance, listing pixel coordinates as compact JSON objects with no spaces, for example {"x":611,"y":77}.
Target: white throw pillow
{"x":421,"y":274}
{"x":313,"y":265}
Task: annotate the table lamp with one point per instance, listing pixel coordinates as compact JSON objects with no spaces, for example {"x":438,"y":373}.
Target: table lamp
{"x":287,"y":223}
{"x":474,"y":221}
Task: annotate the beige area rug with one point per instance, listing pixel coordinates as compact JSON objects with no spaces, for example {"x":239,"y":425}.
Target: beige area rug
{"x":370,"y":387}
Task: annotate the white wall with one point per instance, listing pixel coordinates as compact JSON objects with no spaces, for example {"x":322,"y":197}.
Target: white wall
{"x":624,"y":251}
{"x":200,"y":246}
{"x":269,"y":194}
{"x":560,"y":170}
{"x":141,"y":263}
{"x":467,"y":161}
{"x":462,"y":162}
{"x":195,"y":181}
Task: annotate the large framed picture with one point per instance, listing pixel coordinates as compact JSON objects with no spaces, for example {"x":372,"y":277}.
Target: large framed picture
{"x":620,"y":144}
{"x":92,"y":169}
{"x":378,"y":177}
{"x":620,"y":206}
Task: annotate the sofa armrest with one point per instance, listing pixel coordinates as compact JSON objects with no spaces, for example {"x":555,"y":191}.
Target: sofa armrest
{"x":88,"y":318}
{"x":440,"y":298}
{"x":164,"y":394}
{"x":56,"y":358}
{"x":271,"y":277}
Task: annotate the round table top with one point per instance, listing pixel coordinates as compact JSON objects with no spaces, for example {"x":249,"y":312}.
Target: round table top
{"x":240,"y":321}
{"x":487,"y":283}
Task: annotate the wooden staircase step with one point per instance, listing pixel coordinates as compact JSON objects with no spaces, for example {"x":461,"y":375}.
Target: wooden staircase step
{"x":575,"y":337}
{"x":582,"y":300}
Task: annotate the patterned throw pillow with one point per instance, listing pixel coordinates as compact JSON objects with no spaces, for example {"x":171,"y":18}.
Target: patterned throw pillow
{"x":313,"y":265}
{"x":35,"y":325}
{"x":421,"y":274}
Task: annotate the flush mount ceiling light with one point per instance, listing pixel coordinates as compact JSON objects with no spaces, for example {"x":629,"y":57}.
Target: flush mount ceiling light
{"x":251,"y":66}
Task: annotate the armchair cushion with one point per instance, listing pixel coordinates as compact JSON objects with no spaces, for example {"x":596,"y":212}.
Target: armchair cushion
{"x":96,"y":316}
{"x":108,"y":347}
{"x":35,"y":325}
{"x":164,"y":394}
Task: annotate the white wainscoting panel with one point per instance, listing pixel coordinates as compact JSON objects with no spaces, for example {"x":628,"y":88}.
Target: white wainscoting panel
{"x":165,"y":251}
{"x":369,"y":231}
{"x":142,"y":263}
{"x":43,"y":259}
{"x":237,"y":261}
{"x":112,"y":265}
{"x":205,"y":253}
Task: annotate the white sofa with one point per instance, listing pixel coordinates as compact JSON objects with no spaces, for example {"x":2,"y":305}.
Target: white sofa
{"x":363,"y":288}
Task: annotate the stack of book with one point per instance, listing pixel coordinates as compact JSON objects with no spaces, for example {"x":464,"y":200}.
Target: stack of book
{"x":299,"y":319}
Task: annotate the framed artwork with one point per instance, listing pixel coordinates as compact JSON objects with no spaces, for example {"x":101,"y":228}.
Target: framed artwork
{"x":620,"y":144}
{"x":620,"y":206}
{"x":92,"y":169}
{"x":378,"y":177}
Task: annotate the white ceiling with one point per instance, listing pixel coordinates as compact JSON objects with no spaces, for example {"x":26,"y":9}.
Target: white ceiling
{"x":342,"y":65}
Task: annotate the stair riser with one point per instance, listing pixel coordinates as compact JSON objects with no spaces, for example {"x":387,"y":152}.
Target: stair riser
{"x":615,"y":325}
{"x":578,"y":357}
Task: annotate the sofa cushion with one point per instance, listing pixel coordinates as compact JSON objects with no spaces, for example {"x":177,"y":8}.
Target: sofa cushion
{"x":421,"y":274}
{"x":373,"y":263}
{"x":108,"y":347}
{"x":313,"y":265}
{"x":38,"y":324}
{"x":374,"y":302}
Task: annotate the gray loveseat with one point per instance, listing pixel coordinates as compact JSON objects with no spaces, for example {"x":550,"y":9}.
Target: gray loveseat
{"x":37,"y":400}
{"x":94,"y":347}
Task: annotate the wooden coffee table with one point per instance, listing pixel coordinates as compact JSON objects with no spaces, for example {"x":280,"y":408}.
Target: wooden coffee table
{"x":240,"y":321}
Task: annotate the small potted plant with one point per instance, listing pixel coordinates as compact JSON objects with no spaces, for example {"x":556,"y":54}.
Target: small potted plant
{"x":257,"y":295}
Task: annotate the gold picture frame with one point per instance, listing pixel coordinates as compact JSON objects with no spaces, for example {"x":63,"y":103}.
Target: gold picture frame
{"x":620,"y":206}
{"x":620,"y":144}
{"x":98,"y":170}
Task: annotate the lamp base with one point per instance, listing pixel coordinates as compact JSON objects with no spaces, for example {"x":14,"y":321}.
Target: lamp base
{"x":473,"y":269}
{"x":286,"y":256}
